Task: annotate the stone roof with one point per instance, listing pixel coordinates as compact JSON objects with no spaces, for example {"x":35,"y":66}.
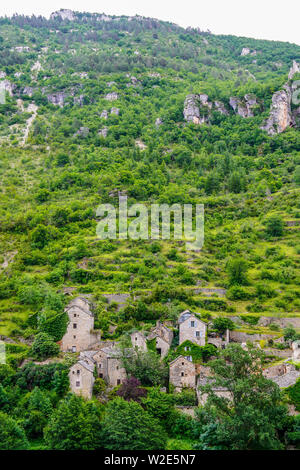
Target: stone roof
{"x":89,"y":354}
{"x":85,"y":365}
{"x":180,"y":357}
{"x":186,"y":315}
{"x":76,"y":303}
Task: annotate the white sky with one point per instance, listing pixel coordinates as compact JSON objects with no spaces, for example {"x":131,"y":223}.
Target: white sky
{"x":262,"y":19}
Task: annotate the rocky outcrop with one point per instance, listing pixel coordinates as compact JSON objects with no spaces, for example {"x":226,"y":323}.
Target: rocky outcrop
{"x":158,"y":123}
{"x":104,"y":114}
{"x":247,"y":51}
{"x":280,"y":117}
{"x":82,"y":132}
{"x":2,"y":74}
{"x":57,"y":98}
{"x":221,"y":108}
{"x":64,"y":14}
{"x":103,"y":132}
{"x":112,"y":96}
{"x":115,"y":111}
{"x":244,"y":107}
{"x":294,"y":69}
{"x":7,"y":86}
{"x":198,"y":108}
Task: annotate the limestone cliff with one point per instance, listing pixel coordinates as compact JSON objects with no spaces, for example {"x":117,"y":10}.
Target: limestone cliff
{"x":64,"y":14}
{"x":280,"y":117}
{"x":197,"y":108}
{"x":244,"y":107}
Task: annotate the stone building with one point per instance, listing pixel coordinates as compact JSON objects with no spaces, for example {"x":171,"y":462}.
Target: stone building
{"x":296,"y":351}
{"x":138,"y":340}
{"x":109,"y":366}
{"x":191,"y":328}
{"x":81,"y":377}
{"x":79,"y":335}
{"x":182,"y":373}
{"x":161,"y":333}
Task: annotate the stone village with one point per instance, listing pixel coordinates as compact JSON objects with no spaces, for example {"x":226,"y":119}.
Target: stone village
{"x":103,"y":358}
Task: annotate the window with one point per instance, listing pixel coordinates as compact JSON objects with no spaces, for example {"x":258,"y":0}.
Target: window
{"x":78,"y":384}
{"x":75,"y":325}
{"x":182,"y":374}
{"x":73,"y":348}
{"x":117,"y":367}
{"x":182,"y":363}
{"x":136,"y":338}
{"x":74,"y":315}
{"x":118,"y":382}
{"x":74,"y":337}
{"x":198,"y":334}
{"x":78,"y":371}
{"x":99,"y":365}
{"x":73,"y":371}
{"x":192,"y":324}
{"x":101,"y":376}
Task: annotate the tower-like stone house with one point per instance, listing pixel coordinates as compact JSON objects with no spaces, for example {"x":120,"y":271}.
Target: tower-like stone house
{"x":182,"y":373}
{"x":191,"y":328}
{"x":81,"y":377}
{"x":79,"y":335}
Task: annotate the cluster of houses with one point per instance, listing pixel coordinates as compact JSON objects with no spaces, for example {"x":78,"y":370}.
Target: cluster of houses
{"x":102,"y":359}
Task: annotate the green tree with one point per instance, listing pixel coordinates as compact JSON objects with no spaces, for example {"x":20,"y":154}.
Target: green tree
{"x":274,"y":226}
{"x":237,"y":271}
{"x":145,"y":366}
{"x":44,"y":346}
{"x":221,"y":324}
{"x":74,"y":425}
{"x":12,"y":436}
{"x":127,"y":426}
{"x":252,"y":416}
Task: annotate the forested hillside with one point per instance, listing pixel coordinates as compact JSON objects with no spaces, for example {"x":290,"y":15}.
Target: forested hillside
{"x":96,"y":106}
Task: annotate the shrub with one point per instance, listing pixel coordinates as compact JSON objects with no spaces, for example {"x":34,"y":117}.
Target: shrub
{"x":44,"y":347}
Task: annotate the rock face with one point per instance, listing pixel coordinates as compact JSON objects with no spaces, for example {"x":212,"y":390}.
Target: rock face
{"x":57,"y":98}
{"x":103,"y":132}
{"x":64,"y":14}
{"x":280,"y":114}
{"x":115,"y":111}
{"x":221,"y":108}
{"x":7,"y":86}
{"x":112,"y":96}
{"x":196,"y":109}
{"x":244,"y":107}
{"x":245,"y":51}
{"x":158,"y":123}
{"x":293,"y":70}
{"x":82,"y":132}
{"x":104,"y":114}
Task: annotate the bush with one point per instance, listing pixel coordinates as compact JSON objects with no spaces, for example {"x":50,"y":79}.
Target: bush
{"x":44,"y":347}
{"x":274,"y":226}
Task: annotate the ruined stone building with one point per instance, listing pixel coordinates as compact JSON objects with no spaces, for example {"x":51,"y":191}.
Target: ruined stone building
{"x":191,"y":328}
{"x":182,"y":373}
{"x":163,"y":339}
{"x":138,"y":340}
{"x":108,"y":364}
{"x":81,"y":377}
{"x":79,"y":335}
{"x":163,"y":336}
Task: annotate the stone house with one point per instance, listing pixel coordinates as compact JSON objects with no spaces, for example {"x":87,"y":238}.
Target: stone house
{"x":191,"y":328}
{"x":161,"y":333}
{"x":163,"y":336}
{"x":109,"y":366}
{"x":182,"y":373}
{"x":79,"y":335}
{"x":138,"y":340}
{"x":82,"y":379}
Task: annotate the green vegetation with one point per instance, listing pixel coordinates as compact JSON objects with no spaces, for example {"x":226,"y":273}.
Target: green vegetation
{"x":83,"y":150}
